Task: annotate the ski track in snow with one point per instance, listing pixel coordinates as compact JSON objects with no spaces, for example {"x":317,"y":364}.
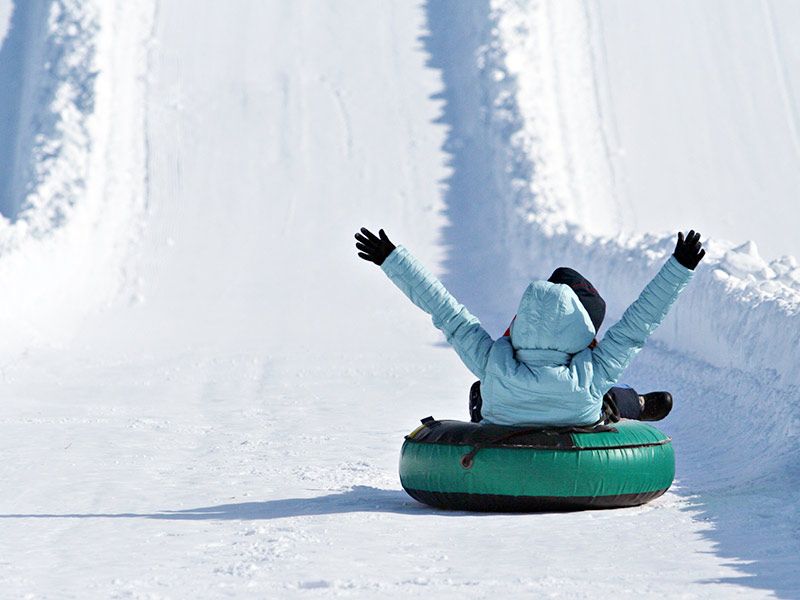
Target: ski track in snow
{"x":205,"y":392}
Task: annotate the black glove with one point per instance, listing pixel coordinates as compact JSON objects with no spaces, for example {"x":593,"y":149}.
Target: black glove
{"x":373,"y":248}
{"x":689,"y":252}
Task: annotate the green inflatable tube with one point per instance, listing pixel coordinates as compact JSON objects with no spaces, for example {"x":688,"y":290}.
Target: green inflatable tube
{"x":467,"y":466}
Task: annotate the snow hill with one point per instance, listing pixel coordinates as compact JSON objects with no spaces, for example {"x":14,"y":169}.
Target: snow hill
{"x":205,"y":391}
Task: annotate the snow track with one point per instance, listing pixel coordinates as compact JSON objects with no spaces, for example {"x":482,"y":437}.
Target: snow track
{"x":205,"y":391}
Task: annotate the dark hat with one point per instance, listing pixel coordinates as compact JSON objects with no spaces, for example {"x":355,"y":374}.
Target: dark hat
{"x":586,"y":292}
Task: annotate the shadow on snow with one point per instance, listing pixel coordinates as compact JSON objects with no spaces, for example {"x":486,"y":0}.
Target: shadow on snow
{"x":358,"y":499}
{"x":476,"y":193}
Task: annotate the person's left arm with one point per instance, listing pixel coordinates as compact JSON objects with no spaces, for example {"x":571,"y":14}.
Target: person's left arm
{"x":462,"y":329}
{"x":627,"y":337}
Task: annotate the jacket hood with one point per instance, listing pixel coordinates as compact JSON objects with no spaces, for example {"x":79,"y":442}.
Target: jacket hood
{"x":590,"y":298}
{"x":551,"y":317}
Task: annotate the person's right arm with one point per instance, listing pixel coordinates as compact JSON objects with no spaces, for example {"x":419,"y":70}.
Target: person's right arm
{"x":462,"y":329}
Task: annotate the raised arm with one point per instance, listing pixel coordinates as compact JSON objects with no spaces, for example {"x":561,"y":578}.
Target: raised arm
{"x":462,"y":330}
{"x":624,"y":340}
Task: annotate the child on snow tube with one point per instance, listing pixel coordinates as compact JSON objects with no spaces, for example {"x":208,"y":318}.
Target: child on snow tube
{"x":548,"y":370}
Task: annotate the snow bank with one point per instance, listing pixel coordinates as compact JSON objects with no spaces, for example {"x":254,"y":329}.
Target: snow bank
{"x":49,"y":102}
{"x":74,"y":119}
{"x":736,"y":295}
{"x":6,"y":7}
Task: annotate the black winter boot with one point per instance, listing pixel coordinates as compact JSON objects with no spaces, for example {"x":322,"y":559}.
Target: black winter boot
{"x":475,"y":403}
{"x":655,"y":406}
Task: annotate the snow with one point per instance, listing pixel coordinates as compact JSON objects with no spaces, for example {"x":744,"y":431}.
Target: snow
{"x":682,"y":110}
{"x":205,"y":391}
{"x":6,"y":8}
{"x":75,"y":196}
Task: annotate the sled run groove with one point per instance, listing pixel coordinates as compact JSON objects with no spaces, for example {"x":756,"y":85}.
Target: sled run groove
{"x":205,"y":391}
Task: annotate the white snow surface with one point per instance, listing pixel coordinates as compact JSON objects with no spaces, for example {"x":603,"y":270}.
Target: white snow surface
{"x":206,"y":391}
{"x":6,"y":8}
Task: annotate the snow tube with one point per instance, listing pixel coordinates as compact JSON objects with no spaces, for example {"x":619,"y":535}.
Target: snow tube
{"x":466,"y":466}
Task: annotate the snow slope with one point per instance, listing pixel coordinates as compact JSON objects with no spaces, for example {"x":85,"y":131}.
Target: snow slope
{"x":681,"y":108}
{"x":72,"y":194}
{"x":702,"y":115}
{"x":206,"y":391}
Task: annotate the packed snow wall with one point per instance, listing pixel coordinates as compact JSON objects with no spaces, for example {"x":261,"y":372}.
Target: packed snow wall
{"x":73,"y":182}
{"x":5,"y":16}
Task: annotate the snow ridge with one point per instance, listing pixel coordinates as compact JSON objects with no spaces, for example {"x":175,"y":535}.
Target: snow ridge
{"x":78,"y":164}
{"x":56,"y":101}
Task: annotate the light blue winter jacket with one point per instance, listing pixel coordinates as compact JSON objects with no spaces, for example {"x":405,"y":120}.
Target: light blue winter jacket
{"x":545,"y":373}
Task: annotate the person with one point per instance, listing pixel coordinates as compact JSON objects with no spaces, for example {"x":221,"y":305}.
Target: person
{"x":548,"y":370}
